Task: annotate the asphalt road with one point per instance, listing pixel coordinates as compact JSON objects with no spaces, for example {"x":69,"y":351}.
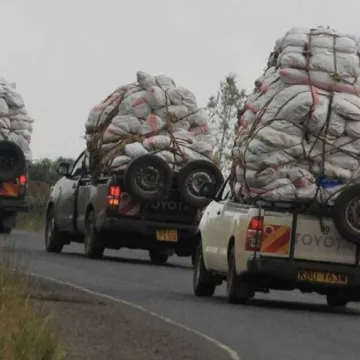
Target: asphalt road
{"x":279,"y":325}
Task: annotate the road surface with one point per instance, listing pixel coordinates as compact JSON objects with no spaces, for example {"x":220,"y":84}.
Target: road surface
{"x":279,"y":325}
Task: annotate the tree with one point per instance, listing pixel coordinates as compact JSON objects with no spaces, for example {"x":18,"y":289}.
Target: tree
{"x":223,"y":108}
{"x":45,"y":170}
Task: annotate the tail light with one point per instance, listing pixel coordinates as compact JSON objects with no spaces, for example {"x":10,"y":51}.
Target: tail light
{"x":113,"y":198}
{"x":22,"y":184}
{"x":254,"y":233}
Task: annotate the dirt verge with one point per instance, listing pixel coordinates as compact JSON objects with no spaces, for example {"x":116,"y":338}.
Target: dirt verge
{"x":92,"y":328}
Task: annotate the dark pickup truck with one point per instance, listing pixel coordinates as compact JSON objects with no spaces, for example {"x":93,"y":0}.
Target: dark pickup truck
{"x":13,"y":184}
{"x":120,"y":211}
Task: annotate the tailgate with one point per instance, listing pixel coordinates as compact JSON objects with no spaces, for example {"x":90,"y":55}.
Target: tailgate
{"x":328,"y":246}
{"x":9,"y":189}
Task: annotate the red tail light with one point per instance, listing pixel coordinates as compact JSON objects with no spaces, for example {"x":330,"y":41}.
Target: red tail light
{"x":254,"y":234}
{"x":22,"y":179}
{"x":113,"y":198}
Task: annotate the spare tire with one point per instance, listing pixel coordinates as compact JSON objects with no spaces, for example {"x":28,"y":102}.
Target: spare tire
{"x":192,"y":176}
{"x":12,"y":161}
{"x":346,"y":213}
{"x":148,"y":179}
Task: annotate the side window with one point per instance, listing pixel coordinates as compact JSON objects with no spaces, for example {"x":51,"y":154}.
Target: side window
{"x":227,"y":192}
{"x":78,"y":166}
{"x":224,"y":192}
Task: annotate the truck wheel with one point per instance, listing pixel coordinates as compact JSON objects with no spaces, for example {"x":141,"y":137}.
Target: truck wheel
{"x":13,"y":160}
{"x":53,"y":242}
{"x":346,"y":213}
{"x":237,"y":290}
{"x":192,"y":176}
{"x":92,"y":247}
{"x":5,"y":230}
{"x":336,"y":301}
{"x":148,"y":178}
{"x":158,"y":258}
{"x":193,"y":258}
{"x":204,"y":284}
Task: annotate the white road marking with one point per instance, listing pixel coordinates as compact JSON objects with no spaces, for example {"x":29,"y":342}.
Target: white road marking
{"x":232,"y":353}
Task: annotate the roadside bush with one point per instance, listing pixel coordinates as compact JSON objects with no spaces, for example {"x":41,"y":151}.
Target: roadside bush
{"x":23,"y":334}
{"x":34,"y":219}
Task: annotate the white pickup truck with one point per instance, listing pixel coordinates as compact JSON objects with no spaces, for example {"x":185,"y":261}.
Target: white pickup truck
{"x":258,"y":249}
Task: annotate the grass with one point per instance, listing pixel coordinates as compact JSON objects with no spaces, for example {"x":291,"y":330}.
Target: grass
{"x":34,"y":219}
{"x":24,"y":335}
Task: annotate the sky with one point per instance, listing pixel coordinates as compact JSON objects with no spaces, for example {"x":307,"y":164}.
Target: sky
{"x":66,"y":56}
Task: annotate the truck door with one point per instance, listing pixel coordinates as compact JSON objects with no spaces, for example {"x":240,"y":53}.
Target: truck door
{"x":215,"y":215}
{"x":66,"y":205}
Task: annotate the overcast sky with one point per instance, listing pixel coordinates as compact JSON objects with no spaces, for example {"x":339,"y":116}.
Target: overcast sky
{"x":66,"y":56}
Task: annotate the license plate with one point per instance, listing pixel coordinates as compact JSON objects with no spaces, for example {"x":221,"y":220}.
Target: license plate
{"x":167,"y":235}
{"x":323,"y":277}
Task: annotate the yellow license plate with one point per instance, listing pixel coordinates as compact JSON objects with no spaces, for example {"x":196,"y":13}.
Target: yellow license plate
{"x":167,"y":235}
{"x":322,"y":277}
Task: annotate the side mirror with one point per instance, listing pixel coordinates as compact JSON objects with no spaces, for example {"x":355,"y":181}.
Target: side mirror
{"x":63,"y":169}
{"x":207,"y":190}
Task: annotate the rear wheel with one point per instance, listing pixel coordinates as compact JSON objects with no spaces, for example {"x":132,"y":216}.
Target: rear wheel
{"x":5,"y":230}
{"x":237,"y":290}
{"x":204,"y":284}
{"x":92,"y":247}
{"x":158,"y":258}
{"x":53,"y":242}
{"x":336,"y":301}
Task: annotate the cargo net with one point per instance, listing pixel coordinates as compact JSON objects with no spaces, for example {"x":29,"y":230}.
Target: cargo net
{"x":298,"y":136}
{"x":152,"y":115}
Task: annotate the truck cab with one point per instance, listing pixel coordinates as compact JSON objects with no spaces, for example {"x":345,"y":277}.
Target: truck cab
{"x":272,"y":247}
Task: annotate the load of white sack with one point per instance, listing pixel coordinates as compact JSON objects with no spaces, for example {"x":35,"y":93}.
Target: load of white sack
{"x":15,"y":123}
{"x":298,"y":137}
{"x":152,"y":115}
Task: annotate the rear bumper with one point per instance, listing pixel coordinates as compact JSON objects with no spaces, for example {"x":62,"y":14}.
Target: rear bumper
{"x":141,"y":234}
{"x":13,"y":205}
{"x":287,"y":271}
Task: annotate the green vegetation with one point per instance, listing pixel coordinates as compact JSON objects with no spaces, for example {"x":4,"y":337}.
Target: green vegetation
{"x":24,"y":334}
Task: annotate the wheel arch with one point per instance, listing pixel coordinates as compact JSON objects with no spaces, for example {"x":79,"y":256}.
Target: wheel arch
{"x":89,"y":209}
{"x":231,"y":245}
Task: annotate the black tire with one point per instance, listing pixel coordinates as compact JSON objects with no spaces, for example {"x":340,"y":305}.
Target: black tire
{"x":5,"y":230}
{"x":204,"y":284}
{"x":336,"y":301}
{"x":53,"y":240}
{"x":346,"y":211}
{"x":193,"y":258}
{"x":188,"y":188}
{"x":158,"y":258}
{"x":12,"y":160}
{"x":135,"y":182}
{"x":237,"y":290}
{"x":92,"y":240}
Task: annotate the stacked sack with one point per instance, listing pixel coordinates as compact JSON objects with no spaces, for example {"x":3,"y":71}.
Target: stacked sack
{"x":152,"y":115}
{"x":298,"y":137}
{"x":15,"y":124}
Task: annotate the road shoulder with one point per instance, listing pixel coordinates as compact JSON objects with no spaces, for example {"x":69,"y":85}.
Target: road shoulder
{"x":93,"y":328}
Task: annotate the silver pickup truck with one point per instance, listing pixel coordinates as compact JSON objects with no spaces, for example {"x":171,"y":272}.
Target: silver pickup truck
{"x":105,"y":214}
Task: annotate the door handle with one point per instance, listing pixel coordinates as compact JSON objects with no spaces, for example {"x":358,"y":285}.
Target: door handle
{"x":219,"y":212}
